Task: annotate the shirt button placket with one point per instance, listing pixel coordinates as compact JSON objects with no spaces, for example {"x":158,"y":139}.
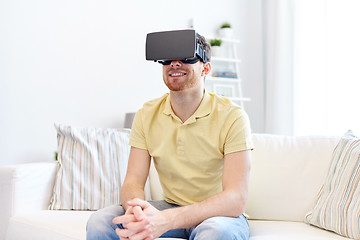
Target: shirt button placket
{"x":180,"y":141}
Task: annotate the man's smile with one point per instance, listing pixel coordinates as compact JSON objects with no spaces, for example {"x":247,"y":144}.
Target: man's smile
{"x":177,"y":74}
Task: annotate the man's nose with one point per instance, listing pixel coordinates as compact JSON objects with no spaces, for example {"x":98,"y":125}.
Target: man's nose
{"x":176,"y":63}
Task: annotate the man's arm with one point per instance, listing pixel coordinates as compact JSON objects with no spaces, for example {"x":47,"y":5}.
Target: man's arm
{"x":229,"y":203}
{"x":136,"y":175}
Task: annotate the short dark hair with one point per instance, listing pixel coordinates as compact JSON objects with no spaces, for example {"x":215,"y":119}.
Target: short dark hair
{"x":205,"y":45}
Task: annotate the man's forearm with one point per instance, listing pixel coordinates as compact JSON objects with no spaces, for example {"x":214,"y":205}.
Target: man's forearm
{"x":129,"y":192}
{"x":226,"y":204}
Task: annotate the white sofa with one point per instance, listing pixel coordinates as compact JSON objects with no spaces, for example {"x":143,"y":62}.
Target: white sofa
{"x":286,"y":175}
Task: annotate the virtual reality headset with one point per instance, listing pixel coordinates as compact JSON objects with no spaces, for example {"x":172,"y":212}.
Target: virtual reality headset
{"x":174,"y":45}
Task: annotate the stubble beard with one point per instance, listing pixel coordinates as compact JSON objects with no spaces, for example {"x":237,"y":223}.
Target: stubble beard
{"x":182,"y":85}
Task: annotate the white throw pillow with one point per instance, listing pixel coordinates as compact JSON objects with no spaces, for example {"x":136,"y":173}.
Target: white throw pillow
{"x":337,"y":206}
{"x":92,"y":167}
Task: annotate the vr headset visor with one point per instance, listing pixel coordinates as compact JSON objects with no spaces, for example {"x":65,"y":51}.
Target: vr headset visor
{"x":174,"y":45}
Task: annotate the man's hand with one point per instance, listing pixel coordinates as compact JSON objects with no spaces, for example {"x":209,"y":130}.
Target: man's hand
{"x":142,"y":221}
{"x":134,"y":223}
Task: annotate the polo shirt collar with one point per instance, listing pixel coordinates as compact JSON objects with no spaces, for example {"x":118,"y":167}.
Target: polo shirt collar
{"x":203,"y":110}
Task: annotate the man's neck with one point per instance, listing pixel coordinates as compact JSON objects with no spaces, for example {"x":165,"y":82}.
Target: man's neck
{"x":185,"y":103}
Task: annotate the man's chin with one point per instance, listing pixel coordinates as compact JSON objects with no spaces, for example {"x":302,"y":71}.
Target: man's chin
{"x":175,"y":87}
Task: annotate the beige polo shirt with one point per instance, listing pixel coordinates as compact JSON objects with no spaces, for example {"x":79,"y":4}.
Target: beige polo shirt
{"x":189,"y":156}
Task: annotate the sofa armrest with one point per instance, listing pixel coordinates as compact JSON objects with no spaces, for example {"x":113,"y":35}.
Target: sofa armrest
{"x":24,"y":188}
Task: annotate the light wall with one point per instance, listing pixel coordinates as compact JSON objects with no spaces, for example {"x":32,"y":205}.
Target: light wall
{"x":82,"y":63}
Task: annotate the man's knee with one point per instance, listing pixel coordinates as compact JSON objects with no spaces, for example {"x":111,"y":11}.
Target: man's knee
{"x":96,"y":220}
{"x":222,"y":228}
{"x":100,"y":223}
{"x":214,"y":227}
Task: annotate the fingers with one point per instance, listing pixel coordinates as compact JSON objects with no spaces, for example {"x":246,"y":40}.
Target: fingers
{"x":142,"y":235}
{"x":124,"y":219}
{"x":132,"y":214}
{"x":138,"y":213}
{"x":137,"y":226}
{"x":138,"y":202}
{"x":134,"y":221}
{"x":135,"y":230}
{"x":150,"y":237}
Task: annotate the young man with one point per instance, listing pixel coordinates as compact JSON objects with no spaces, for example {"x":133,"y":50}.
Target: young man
{"x":200,"y":144}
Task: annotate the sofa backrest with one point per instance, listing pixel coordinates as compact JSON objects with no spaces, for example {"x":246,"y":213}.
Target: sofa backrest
{"x":286,"y":175}
{"x":156,"y":190}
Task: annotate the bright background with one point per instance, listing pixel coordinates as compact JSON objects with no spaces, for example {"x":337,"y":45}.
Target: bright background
{"x":82,"y":63}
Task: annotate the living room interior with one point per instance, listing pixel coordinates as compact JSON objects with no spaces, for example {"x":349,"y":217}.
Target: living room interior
{"x":82,"y":64}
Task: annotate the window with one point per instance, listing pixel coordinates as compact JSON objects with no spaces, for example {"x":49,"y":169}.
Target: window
{"x":327,"y":67}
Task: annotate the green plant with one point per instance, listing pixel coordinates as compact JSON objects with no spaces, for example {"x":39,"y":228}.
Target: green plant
{"x":225,"y":25}
{"x":215,"y":42}
{"x":56,"y":156}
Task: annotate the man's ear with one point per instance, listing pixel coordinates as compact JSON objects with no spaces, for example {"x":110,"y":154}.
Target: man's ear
{"x":206,"y":69}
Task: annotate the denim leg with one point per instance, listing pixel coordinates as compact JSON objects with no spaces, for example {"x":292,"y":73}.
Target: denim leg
{"x":100,"y":226}
{"x":222,"y":228}
{"x":176,"y":233}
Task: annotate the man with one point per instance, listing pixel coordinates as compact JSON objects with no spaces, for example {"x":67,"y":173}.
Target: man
{"x":200,"y":144}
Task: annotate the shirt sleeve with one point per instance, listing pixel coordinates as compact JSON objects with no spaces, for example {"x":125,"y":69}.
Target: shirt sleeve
{"x":238,"y":137}
{"x":137,"y":137}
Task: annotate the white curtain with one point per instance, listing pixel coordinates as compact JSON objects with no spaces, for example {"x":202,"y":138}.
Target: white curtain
{"x":312,"y":66}
{"x":279,"y":51}
{"x":328,"y":67}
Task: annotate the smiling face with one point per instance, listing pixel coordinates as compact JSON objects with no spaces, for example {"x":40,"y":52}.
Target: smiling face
{"x":180,"y":76}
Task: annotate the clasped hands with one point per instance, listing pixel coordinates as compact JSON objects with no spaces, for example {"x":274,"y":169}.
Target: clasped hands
{"x":141,"y":221}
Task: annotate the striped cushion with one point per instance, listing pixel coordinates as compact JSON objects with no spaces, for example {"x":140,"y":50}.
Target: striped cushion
{"x":337,"y":206}
{"x":92,"y":167}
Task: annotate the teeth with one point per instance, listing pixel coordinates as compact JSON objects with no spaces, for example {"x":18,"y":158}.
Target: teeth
{"x":177,"y":74}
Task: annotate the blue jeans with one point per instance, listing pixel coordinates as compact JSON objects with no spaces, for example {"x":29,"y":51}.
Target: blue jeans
{"x":100,"y":226}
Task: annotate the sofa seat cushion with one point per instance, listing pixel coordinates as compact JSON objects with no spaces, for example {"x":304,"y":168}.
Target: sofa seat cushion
{"x":281,"y":230}
{"x":50,"y":224}
{"x":71,"y":225}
